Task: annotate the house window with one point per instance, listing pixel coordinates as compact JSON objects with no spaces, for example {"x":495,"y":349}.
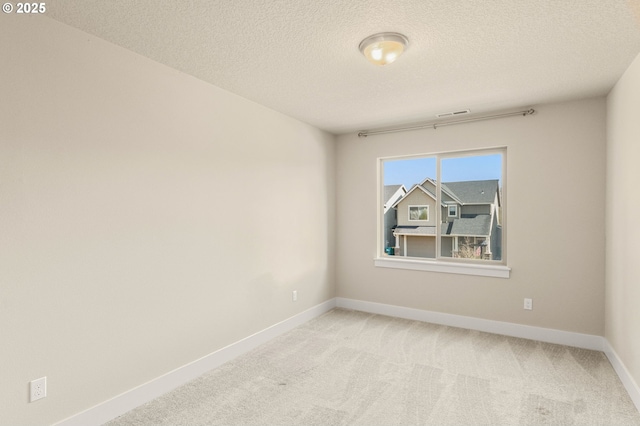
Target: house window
{"x":418,"y":213}
{"x":451,"y":213}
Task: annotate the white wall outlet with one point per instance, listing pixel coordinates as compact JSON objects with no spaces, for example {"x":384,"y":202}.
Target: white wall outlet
{"x":294,"y":295}
{"x":37,"y":389}
{"x":528,"y":304}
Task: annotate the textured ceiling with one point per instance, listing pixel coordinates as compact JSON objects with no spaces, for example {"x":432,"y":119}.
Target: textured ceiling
{"x":301,"y":57}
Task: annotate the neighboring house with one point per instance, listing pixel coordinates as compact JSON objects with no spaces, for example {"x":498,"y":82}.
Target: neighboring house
{"x":471,"y":225}
{"x":392,"y":193}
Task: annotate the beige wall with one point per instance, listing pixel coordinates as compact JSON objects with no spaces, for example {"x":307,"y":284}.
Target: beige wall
{"x":119,"y":260}
{"x":555,"y":160}
{"x":623,"y":219}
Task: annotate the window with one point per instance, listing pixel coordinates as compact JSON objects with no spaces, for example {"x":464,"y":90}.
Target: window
{"x":452,"y":214}
{"x":418,"y":213}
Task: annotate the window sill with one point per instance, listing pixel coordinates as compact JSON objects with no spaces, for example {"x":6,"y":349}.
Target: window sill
{"x":496,"y":271}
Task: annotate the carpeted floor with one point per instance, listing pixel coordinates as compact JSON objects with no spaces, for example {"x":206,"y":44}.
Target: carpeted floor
{"x":354,"y":368}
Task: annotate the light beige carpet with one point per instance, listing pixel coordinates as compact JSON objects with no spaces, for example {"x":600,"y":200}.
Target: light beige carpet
{"x":354,"y":368}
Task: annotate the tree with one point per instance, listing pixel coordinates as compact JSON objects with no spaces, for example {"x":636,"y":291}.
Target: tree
{"x":467,"y":249}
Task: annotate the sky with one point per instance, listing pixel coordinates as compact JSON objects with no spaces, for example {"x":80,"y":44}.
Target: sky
{"x":414,"y":170}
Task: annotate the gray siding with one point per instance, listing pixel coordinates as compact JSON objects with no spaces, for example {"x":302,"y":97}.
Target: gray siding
{"x":421,"y":246}
{"x":389,"y":223}
{"x":479,"y":209}
{"x":445,"y":214}
{"x":496,"y":241}
{"x":416,"y":198}
{"x":446,"y":245}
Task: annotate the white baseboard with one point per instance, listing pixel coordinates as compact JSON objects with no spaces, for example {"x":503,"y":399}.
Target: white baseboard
{"x":627,"y":380}
{"x":585,"y":341}
{"x":133,"y":398}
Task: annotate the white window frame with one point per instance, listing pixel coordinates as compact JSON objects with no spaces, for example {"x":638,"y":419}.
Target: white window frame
{"x":490,"y":268}
{"x":419,"y":206}
{"x":455,"y":214}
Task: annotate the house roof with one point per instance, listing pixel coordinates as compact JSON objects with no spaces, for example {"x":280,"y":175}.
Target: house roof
{"x":464,"y":192}
{"x":413,"y":188}
{"x":419,"y":230}
{"x":474,"y":191}
{"x":443,"y":188}
{"x":389,"y":190}
{"x":480,"y":225}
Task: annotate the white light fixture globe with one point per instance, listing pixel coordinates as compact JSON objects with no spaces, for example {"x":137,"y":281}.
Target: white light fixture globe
{"x":383,"y":48}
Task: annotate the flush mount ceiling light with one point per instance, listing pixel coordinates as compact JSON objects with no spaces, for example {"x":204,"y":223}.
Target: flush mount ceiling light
{"x":383,"y":48}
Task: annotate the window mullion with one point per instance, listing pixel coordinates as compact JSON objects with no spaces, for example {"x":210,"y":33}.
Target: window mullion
{"x":438,"y":209}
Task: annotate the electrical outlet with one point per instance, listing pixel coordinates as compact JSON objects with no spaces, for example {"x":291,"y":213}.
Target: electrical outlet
{"x":528,"y":304}
{"x":294,"y":296}
{"x":37,"y":389}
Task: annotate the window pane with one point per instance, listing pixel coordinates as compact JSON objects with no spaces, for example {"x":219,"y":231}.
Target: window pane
{"x":409,"y":206}
{"x":462,"y":221}
{"x":473,"y":183}
{"x":419,"y":213}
